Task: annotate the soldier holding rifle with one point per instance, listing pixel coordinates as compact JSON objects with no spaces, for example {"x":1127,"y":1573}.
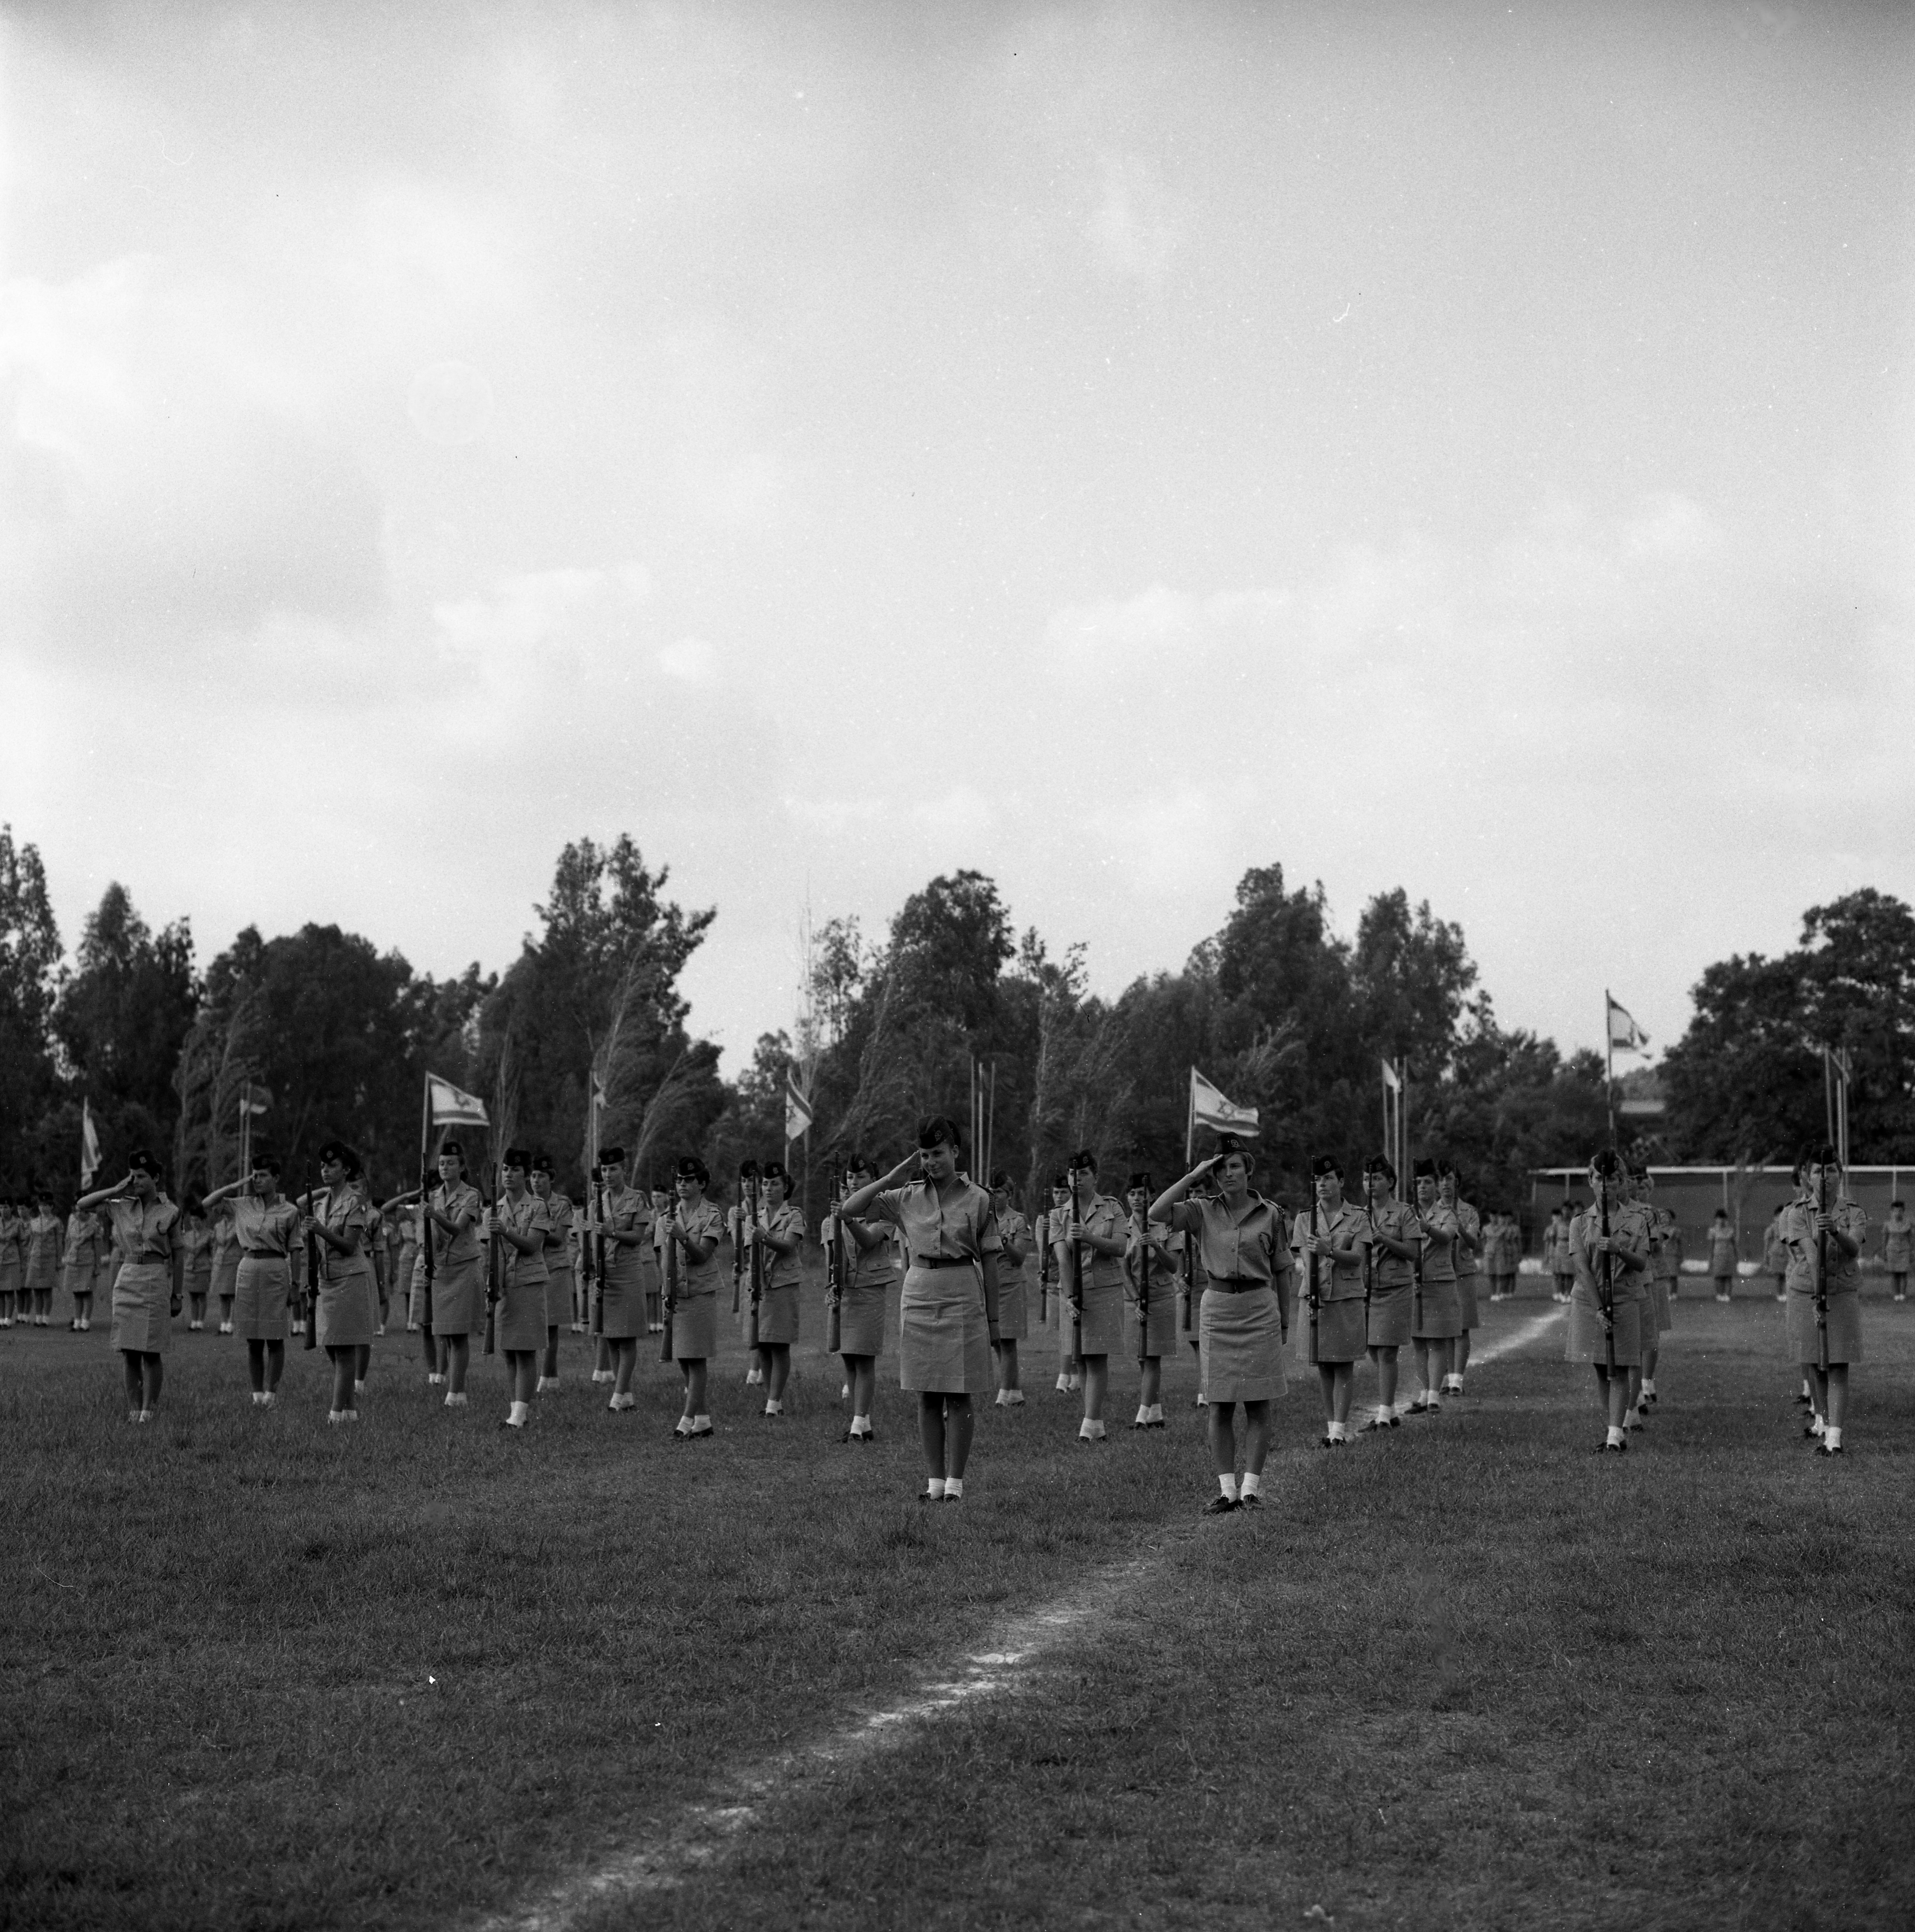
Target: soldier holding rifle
{"x":1013,"y":1306}
{"x":559,"y":1280}
{"x":452,"y":1212}
{"x":520,"y":1222}
{"x":1824,"y":1231}
{"x":1664,"y":1259}
{"x":1436,"y":1305}
{"x":1050,"y":1286}
{"x":776,"y":1229}
{"x":623,"y":1221}
{"x":1468,"y":1249}
{"x":867,"y":1272}
{"x":948,"y":1306}
{"x":1245,"y":1319}
{"x":1609,"y":1245}
{"x":1333,"y":1238}
{"x":1149,"y":1272}
{"x":1094,"y":1241}
{"x":695,"y":1230}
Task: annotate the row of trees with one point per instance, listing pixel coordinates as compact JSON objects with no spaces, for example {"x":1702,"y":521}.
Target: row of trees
{"x":1286,"y":1013}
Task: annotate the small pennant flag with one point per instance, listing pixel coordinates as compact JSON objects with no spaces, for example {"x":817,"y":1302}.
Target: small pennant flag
{"x":254,"y":1099}
{"x":1390,"y":1080}
{"x":797,"y":1108}
{"x":89,"y":1147}
{"x":1623,"y":1031}
{"x":450,"y":1108}
{"x":1210,"y":1107}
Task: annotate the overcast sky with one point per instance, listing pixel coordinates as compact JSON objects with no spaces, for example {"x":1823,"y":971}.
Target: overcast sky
{"x":1466,"y":448}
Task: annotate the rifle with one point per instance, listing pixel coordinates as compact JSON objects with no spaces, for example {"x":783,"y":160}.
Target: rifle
{"x":494,"y":1287}
{"x":312,"y":1265}
{"x":1822,"y":1271}
{"x":668,"y":1284}
{"x":834,"y":1272}
{"x":757,"y":1256}
{"x":1079,"y":1250}
{"x":1143,"y":1284}
{"x":1309,"y":1273}
{"x":1189,"y":1278}
{"x":598,"y":1243}
{"x":1043,"y":1234}
{"x":738,"y":1242}
{"x":1608,"y":1284}
{"x":425,"y":1238}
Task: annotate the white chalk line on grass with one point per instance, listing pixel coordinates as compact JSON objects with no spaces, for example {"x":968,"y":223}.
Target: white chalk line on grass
{"x":699,"y":1835}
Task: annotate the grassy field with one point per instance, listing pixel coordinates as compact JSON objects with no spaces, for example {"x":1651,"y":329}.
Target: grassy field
{"x":267,"y":1673}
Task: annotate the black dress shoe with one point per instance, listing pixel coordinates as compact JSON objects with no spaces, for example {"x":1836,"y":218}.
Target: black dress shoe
{"x":1253,"y":1502}
{"x":1221,"y":1505}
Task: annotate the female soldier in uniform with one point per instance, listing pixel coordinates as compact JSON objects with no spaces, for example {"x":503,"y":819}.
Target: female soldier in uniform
{"x":1608,"y":1303}
{"x":780,"y":1229}
{"x":1775,"y":1256}
{"x":1094,"y":1238}
{"x":558,"y":1265}
{"x":347,"y":1295}
{"x":452,"y":1212}
{"x":1334,"y":1245}
{"x":1396,"y":1245}
{"x":12,"y":1272}
{"x":195,"y":1247}
{"x":949,"y":1303}
{"x":267,"y":1229}
{"x":1468,"y":1244}
{"x":696,"y":1230}
{"x":867,"y":1249}
{"x":1150,"y":1283}
{"x":146,"y":1292}
{"x":1069,"y":1369}
{"x":1825,"y":1243}
{"x":1436,"y":1309}
{"x":1721,"y":1239}
{"x":86,"y":1244}
{"x":627,"y":1231}
{"x":1898,"y":1235}
{"x":40,"y":1270}
{"x":1664,"y":1260}
{"x":225,"y":1261}
{"x":523,"y":1323}
{"x":1013,"y":1304}
{"x":1245,"y":1319}
{"x":1556,"y":1251}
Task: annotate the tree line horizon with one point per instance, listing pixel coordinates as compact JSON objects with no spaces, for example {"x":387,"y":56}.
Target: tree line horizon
{"x":1283,"y":1012}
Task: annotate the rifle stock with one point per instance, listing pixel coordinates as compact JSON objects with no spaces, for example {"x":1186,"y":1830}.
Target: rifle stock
{"x":834,"y":1273}
{"x":312,"y":1264}
{"x":668,"y":1284}
{"x":494,"y":1286}
{"x":425,"y":1247}
{"x":1143,"y":1284}
{"x":1043,"y":1234}
{"x":598,"y":1289}
{"x":1309,"y":1273}
{"x":758,"y":1258}
{"x":1608,"y":1277}
{"x":1822,"y":1272}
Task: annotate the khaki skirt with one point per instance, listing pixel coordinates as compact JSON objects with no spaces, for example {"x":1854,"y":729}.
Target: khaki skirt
{"x":1587,"y":1342}
{"x":1388,"y":1324}
{"x":1659,"y":1306}
{"x":778,"y":1315}
{"x":623,"y":1294}
{"x":1161,"y":1338}
{"x":518,"y":1321}
{"x":1241,"y":1346}
{"x":944,"y":1342}
{"x":260,"y":1286}
{"x":695,"y":1326}
{"x":1339,"y":1332}
{"x":1102,"y":1332}
{"x":348,"y":1310}
{"x":1014,"y":1309}
{"x":1805,"y":1339}
{"x":10,"y":1270}
{"x":456,"y":1292}
{"x":861,"y":1318}
{"x":77,"y":1279}
{"x":415,"y":1293}
{"x":143,"y":1307}
{"x":558,"y":1293}
{"x":1436,"y":1314}
{"x":1466,"y":1301}
{"x":225,"y":1276}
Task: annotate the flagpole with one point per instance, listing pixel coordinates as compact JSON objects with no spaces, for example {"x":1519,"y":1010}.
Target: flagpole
{"x":425,"y":1127}
{"x":1609,"y":1046}
{"x":1190,"y":1123}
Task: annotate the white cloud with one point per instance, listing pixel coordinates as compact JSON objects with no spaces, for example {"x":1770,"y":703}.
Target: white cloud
{"x":691,"y":661}
{"x":1132,"y":231}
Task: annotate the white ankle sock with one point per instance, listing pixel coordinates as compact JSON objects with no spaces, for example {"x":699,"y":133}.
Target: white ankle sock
{"x":1227,"y":1486}
{"x":701,"y":1425}
{"x":520,"y":1411}
{"x":1613,"y":1435}
{"x":774,"y":1409}
{"x":934,"y":1487}
{"x":953,"y":1486}
{"x":1832,"y":1435}
{"x":860,"y":1425}
{"x":1144,"y":1412}
{"x":1252,"y":1484}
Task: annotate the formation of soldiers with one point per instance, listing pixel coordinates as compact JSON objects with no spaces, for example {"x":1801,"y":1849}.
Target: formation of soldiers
{"x":1208,"y":1263}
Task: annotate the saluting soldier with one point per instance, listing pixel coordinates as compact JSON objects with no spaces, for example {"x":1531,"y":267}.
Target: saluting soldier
{"x":949,"y":1304}
{"x":780,"y":1230}
{"x":452,"y":1212}
{"x":558,"y":1263}
{"x":1608,"y":1303}
{"x":1664,"y":1259}
{"x":86,"y":1248}
{"x":1149,"y":1275}
{"x":695,"y":1232}
{"x":346,"y":1292}
{"x":40,"y":1271}
{"x":226,"y":1260}
{"x":1013,"y":1302}
{"x":1435,"y":1317}
{"x":1244,"y":1321}
{"x":267,"y":1228}
{"x":1468,"y":1240}
{"x":1824,"y":1231}
{"x":1336,"y":1239}
{"x":523,"y":1322}
{"x":1897,"y":1238}
{"x":1094,"y":1234}
{"x":1395,"y":1244}
{"x":868,"y":1268}
{"x":626,"y":1228}
{"x":147,"y":1291}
